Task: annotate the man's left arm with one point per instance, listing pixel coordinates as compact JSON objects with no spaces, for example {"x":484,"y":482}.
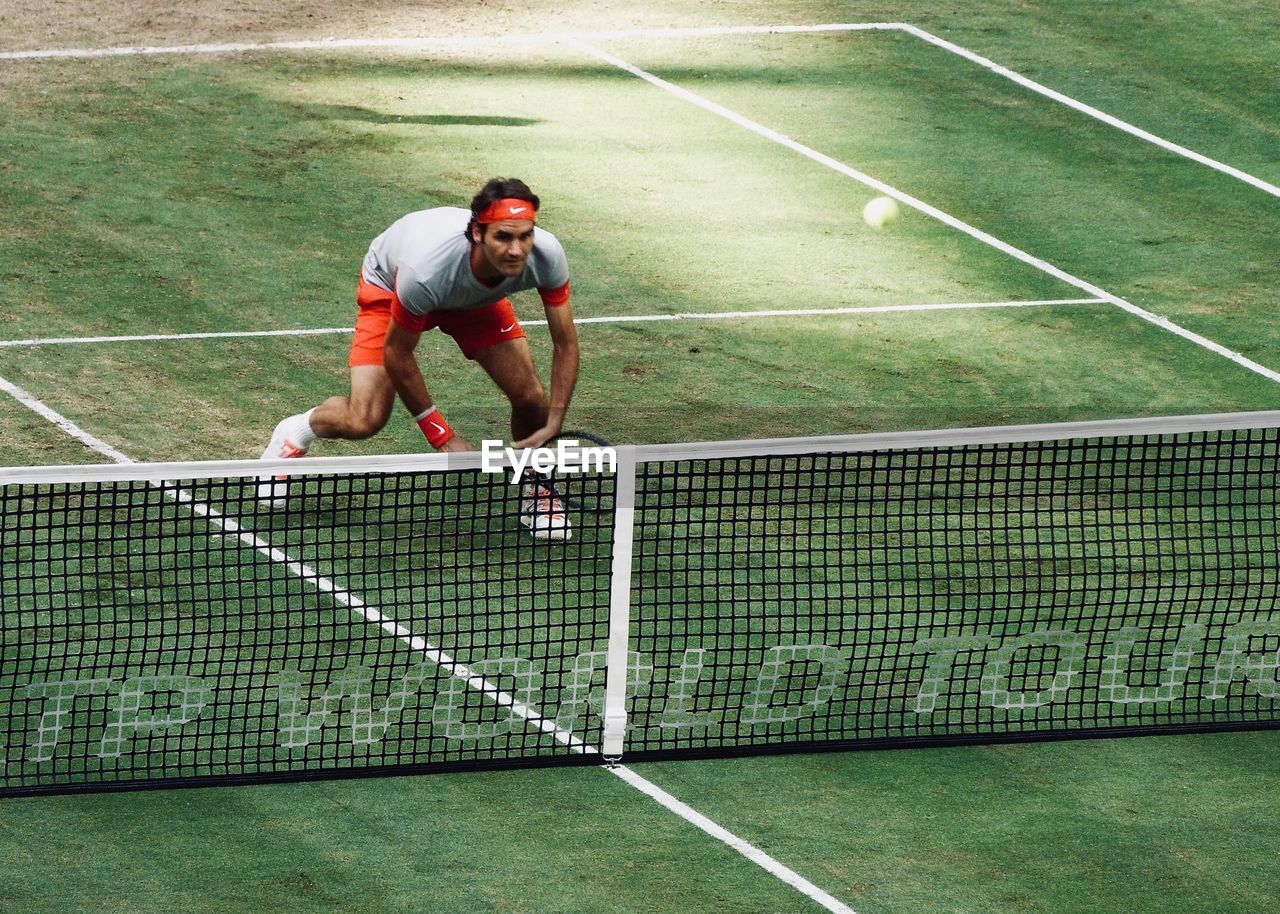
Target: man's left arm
{"x":564,"y":372}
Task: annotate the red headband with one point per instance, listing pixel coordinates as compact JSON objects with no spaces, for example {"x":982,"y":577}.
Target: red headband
{"x":509,"y":208}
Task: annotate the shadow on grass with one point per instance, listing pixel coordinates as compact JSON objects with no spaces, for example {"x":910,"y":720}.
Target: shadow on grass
{"x":369,"y":116}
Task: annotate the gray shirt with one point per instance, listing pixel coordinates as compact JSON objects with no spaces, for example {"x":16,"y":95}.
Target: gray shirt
{"x":425,"y":259}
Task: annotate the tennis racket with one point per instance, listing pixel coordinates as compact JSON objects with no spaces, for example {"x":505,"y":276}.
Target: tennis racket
{"x":590,"y":490}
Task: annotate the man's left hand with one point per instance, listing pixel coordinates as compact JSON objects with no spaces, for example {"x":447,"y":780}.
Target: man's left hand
{"x":540,"y":437}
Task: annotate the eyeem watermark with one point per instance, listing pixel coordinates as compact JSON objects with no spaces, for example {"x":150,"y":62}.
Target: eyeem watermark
{"x":568,"y":456}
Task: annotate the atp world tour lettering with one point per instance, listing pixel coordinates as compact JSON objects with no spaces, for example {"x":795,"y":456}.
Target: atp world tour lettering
{"x":305,"y":707}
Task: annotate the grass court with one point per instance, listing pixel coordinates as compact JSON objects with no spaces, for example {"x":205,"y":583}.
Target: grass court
{"x":1063,"y":268}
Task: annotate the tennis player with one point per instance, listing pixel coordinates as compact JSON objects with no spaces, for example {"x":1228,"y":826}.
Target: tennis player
{"x":453,"y":269}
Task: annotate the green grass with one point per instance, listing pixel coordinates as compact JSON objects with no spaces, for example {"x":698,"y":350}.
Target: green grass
{"x":573,"y":841}
{"x":238,"y":193}
{"x":1148,"y":825}
{"x":292,"y":173}
{"x":1164,"y":232}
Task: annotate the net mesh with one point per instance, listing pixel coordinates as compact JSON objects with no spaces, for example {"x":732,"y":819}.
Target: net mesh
{"x":975,"y":591}
{"x":178,"y":633}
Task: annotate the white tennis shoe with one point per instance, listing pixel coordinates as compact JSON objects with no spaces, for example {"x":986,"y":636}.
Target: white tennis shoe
{"x":273,"y":491}
{"x":542,"y":511}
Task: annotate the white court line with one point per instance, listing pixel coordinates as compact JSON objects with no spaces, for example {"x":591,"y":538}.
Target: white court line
{"x":1044,"y":266}
{"x":622,"y":319}
{"x":159,"y":337}
{"x":428,"y":42}
{"x":62,"y":422}
{"x":374,"y":615}
{"x":1091,"y":111}
{"x":752,"y":853}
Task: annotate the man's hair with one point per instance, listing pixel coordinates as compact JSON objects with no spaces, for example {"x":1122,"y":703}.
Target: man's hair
{"x":498,"y":189}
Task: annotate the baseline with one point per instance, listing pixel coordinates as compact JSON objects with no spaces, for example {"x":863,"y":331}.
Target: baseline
{"x":427,"y":42}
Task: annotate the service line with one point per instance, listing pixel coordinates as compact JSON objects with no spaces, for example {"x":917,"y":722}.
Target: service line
{"x":608,"y":319}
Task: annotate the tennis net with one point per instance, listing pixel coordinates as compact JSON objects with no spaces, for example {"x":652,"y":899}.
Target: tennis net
{"x":158,"y":627}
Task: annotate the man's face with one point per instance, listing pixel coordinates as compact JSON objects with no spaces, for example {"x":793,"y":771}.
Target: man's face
{"x":506,"y":245}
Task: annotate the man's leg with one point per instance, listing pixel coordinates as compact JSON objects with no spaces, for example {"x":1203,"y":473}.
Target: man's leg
{"x":366,"y":409}
{"x":510,"y":365}
{"x":362,"y":413}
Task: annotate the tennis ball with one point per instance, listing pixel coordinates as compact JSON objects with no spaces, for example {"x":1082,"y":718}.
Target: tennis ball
{"x":880,"y":211}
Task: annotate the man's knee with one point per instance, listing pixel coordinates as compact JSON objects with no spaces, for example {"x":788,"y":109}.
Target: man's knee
{"x":529,"y":398}
{"x":364,"y":420}
{"x":369,"y":406}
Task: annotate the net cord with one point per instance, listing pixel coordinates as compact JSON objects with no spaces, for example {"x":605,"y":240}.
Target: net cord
{"x":958,"y":437}
{"x":651,"y":453}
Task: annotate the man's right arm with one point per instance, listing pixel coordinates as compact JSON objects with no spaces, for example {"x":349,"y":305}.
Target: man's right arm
{"x":405,"y":375}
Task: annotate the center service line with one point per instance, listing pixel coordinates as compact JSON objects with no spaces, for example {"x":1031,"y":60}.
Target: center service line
{"x":1044,"y":266}
{"x":374,"y":615}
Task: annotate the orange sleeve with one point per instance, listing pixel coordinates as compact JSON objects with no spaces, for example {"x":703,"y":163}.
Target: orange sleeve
{"x":555,"y":297}
{"x":406,"y":318}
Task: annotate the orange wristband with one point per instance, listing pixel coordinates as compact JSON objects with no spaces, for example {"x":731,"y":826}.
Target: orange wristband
{"x":434,"y":427}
